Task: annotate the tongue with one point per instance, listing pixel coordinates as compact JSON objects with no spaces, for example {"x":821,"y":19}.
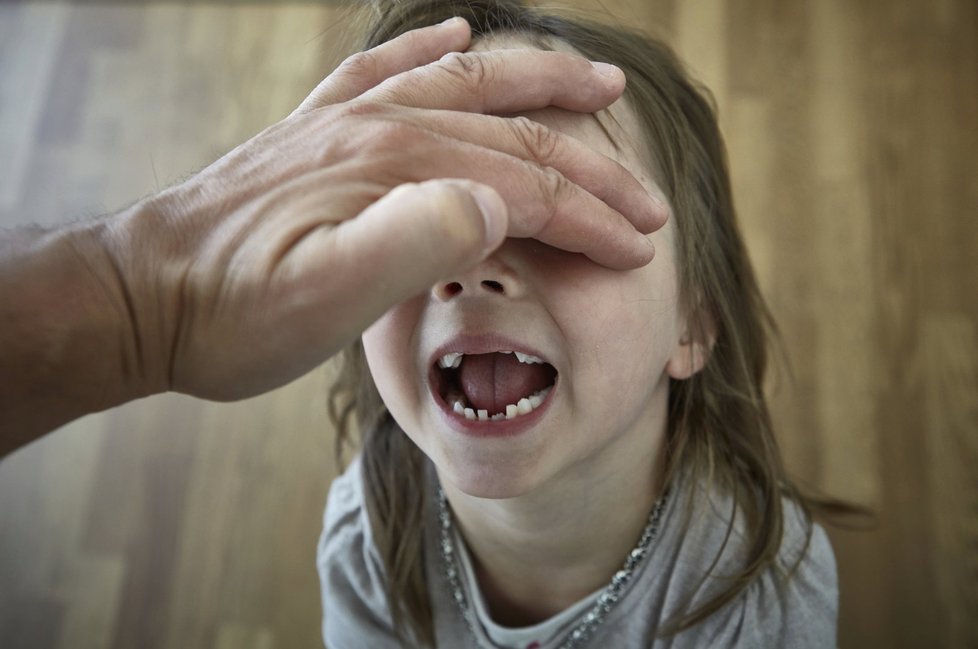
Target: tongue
{"x":493,"y":381}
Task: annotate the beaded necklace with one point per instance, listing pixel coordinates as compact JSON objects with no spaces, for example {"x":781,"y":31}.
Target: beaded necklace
{"x":602,"y":606}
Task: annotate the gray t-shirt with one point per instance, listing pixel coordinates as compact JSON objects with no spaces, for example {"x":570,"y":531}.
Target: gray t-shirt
{"x":773,"y":611}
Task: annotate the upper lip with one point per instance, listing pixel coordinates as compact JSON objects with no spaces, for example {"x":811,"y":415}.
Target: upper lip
{"x":484,"y":343}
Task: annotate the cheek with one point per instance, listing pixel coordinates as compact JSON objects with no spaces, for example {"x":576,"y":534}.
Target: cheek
{"x":389,"y":347}
{"x":622,"y":327}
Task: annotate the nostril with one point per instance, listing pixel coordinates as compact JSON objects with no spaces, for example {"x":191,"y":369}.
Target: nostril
{"x":494,"y":286}
{"x":453,"y":288}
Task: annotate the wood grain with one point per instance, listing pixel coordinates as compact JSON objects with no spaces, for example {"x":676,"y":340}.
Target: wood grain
{"x":853,"y":137}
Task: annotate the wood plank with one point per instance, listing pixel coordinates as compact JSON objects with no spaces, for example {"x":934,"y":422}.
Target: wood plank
{"x":853,"y":137}
{"x":949,"y":358}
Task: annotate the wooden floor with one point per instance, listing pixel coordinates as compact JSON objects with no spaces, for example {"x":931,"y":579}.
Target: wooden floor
{"x":853,"y":133}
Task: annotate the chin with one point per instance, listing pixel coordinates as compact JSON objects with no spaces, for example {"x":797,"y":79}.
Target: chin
{"x":490,"y":478}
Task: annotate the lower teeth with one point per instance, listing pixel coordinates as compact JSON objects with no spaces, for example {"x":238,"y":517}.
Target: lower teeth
{"x":524,"y":406}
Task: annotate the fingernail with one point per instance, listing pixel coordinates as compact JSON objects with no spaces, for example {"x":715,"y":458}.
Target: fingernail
{"x":661,"y":206}
{"x":454,"y":20}
{"x":608,"y":71}
{"x":650,"y":249}
{"x":494,"y":214}
{"x":658,"y":202}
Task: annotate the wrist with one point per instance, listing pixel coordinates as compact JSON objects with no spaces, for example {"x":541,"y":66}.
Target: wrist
{"x":136,"y":261}
{"x":67,"y":336}
{"x":118,"y":313}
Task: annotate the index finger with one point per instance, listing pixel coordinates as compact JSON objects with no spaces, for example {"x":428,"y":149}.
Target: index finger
{"x":504,"y":81}
{"x":364,"y":70}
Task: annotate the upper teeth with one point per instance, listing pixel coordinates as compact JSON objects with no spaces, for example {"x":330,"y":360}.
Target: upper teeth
{"x":527,"y":358}
{"x":454,"y":359}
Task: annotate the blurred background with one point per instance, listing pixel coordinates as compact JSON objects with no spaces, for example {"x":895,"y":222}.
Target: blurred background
{"x":853,"y":137}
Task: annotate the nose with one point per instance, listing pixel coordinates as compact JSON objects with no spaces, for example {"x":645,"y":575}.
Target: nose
{"x":491,"y":278}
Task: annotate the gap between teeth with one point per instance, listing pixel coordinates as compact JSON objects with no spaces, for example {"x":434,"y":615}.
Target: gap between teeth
{"x":524,"y":406}
{"x":454,"y":359}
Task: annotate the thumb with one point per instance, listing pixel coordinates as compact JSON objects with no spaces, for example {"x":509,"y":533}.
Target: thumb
{"x":417,"y":234}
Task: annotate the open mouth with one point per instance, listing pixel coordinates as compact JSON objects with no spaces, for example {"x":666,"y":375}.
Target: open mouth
{"x":494,"y":386}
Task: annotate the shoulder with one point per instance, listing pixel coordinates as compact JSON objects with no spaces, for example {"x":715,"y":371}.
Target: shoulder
{"x":350,"y":569}
{"x":792,"y":602}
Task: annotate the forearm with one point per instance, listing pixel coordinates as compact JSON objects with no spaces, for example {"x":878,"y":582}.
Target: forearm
{"x":68,"y":343}
{"x":253,"y":271}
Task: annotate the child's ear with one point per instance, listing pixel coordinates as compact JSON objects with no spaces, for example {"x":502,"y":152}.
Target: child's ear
{"x":693,"y":351}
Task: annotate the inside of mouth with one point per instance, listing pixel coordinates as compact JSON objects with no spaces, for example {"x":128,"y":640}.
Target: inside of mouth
{"x":491,"y":382}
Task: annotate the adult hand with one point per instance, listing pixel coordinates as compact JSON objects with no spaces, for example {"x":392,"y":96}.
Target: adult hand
{"x":392,"y":174}
{"x":283,"y":251}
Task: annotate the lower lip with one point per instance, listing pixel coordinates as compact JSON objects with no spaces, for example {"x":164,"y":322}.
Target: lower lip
{"x":501,"y":428}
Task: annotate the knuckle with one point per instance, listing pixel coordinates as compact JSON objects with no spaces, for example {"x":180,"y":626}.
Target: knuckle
{"x":539,"y":142}
{"x":472,"y":70}
{"x":358,"y":128}
{"x":361,"y":64}
{"x":554,"y":190}
{"x":387,"y":136}
{"x":371,"y":127}
{"x":360,"y":108}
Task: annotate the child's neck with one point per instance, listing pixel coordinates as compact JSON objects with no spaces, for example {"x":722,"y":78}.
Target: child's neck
{"x":538,"y":554}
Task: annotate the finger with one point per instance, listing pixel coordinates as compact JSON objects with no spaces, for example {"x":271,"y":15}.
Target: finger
{"x":400,"y":246}
{"x":505,"y":81}
{"x":364,"y":70}
{"x":606,"y":179}
{"x":571,"y":219}
{"x":542,"y":202}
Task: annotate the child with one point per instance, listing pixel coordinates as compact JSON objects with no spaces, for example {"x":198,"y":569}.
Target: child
{"x":556,"y":454}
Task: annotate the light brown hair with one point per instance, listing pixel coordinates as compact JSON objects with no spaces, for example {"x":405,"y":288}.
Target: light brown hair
{"x":719,"y":428}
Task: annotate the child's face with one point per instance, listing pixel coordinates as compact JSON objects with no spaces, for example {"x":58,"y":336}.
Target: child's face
{"x":613,"y":338}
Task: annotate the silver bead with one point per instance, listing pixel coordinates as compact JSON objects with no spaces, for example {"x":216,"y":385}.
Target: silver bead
{"x":603,"y":605}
